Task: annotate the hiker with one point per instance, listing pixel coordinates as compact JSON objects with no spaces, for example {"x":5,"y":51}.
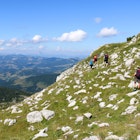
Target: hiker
{"x":137,"y":79}
{"x":91,"y":63}
{"x":106,"y":59}
{"x":95,"y":59}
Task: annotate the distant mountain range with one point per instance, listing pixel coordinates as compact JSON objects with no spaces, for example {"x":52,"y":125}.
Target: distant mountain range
{"x":31,"y":74}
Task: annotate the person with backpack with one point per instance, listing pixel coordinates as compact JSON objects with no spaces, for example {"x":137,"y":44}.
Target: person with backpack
{"x":95,"y":59}
{"x":106,"y":59}
{"x":91,"y":63}
{"x":137,"y":79}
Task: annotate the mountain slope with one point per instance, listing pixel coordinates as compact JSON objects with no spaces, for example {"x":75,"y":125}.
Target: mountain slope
{"x":83,"y":104}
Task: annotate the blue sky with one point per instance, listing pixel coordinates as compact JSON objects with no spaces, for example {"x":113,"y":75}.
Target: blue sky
{"x":65,"y":28}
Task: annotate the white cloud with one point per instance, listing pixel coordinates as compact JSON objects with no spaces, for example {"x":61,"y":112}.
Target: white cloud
{"x":97,"y":19}
{"x":107,"y":32}
{"x":14,"y":42}
{"x":37,"y":38}
{"x":9,"y":44}
{"x":73,"y":36}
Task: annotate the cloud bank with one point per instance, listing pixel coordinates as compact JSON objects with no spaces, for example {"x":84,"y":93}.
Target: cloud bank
{"x":73,"y":36}
{"x":38,"y":44}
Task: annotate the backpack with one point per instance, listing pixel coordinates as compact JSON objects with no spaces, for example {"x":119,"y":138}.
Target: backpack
{"x":90,"y":62}
{"x":106,"y":56}
{"x":138,"y":73}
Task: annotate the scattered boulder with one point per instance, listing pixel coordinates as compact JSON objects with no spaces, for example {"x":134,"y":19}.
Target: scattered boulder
{"x":9,"y":122}
{"x":79,"y":119}
{"x":37,"y":116}
{"x":47,"y":114}
{"x":42,"y":133}
{"x":88,"y":115}
{"x":129,"y":62}
{"x":34,"y":117}
{"x":114,"y":137}
{"x":92,"y":138}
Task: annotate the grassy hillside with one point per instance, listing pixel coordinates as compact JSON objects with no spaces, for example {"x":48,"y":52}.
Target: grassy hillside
{"x":87,"y":103}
